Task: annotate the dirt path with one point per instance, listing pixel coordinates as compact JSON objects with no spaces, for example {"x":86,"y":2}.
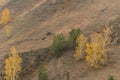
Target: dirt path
{"x":26,"y":12}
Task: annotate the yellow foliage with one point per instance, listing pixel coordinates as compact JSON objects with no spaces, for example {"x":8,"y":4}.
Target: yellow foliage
{"x":96,"y":37}
{"x":5,"y":16}
{"x":79,"y":51}
{"x":12,"y":65}
{"x":106,"y":36}
{"x":96,"y":54}
{"x":8,"y":70}
{"x":7,"y":30}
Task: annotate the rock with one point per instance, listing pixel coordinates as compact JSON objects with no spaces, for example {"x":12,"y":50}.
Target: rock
{"x":43,"y":38}
{"x":49,"y":33}
{"x":104,"y":9}
{"x":115,"y":41}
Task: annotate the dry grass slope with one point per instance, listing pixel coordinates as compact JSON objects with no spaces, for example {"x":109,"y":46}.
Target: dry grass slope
{"x":29,"y":30}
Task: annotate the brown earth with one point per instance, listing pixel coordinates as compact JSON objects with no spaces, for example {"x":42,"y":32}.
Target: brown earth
{"x":58,"y":68}
{"x":3,"y":2}
{"x":33,"y":19}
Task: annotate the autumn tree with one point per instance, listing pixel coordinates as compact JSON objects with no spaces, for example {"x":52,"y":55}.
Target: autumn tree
{"x":8,"y":30}
{"x":73,"y":34}
{"x":42,"y":73}
{"x":106,"y":36}
{"x":58,"y":45}
{"x":96,"y":49}
{"x":12,"y":65}
{"x":80,"y":49}
{"x":5,"y":16}
{"x":94,"y":54}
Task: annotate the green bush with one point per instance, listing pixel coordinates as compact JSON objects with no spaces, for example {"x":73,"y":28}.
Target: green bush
{"x":58,"y":45}
{"x":110,"y":78}
{"x":68,"y":76}
{"x":42,"y":74}
{"x":73,"y":34}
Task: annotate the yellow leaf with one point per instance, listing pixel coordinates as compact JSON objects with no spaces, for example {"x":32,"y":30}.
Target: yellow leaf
{"x":5,"y":16}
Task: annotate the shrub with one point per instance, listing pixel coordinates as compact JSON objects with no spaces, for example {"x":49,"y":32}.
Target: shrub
{"x":80,"y":49}
{"x":110,"y":78}
{"x":68,"y":76}
{"x":96,"y":49}
{"x":42,"y":74}
{"x":13,"y":65}
{"x":96,"y":54}
{"x":73,"y":34}
{"x":5,"y":16}
{"x":58,"y":45}
{"x":106,"y":36}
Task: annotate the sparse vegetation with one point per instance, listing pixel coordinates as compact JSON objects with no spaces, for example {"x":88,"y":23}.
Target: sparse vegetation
{"x":68,"y":76}
{"x":12,"y":65}
{"x":80,"y":49}
{"x":42,"y":74}
{"x":8,"y":30}
{"x":73,"y":34}
{"x":60,"y":42}
{"x":94,"y":54}
{"x":5,"y":16}
{"x":110,"y":77}
{"x":106,"y":36}
{"x":58,"y":45}
{"x":27,"y":27}
{"x":96,"y":51}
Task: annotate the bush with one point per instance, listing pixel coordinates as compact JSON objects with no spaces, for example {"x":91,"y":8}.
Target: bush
{"x":58,"y":45}
{"x":68,"y":76}
{"x":73,"y":34}
{"x":96,"y":54}
{"x":110,"y":78}
{"x":42,"y":74}
{"x":80,"y":49}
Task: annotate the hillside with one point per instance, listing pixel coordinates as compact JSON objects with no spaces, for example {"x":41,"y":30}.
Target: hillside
{"x":3,"y":2}
{"x":32,"y":20}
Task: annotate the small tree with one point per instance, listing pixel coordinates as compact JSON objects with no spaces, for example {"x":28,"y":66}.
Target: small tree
{"x":106,"y":36}
{"x":8,"y":30}
{"x":5,"y":16}
{"x":58,"y":45}
{"x":80,"y":49}
{"x":110,"y":77}
{"x":73,"y":34}
{"x":12,"y":65}
{"x":96,"y":54}
{"x":68,"y":76}
{"x":42,"y":74}
{"x":96,"y":49}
